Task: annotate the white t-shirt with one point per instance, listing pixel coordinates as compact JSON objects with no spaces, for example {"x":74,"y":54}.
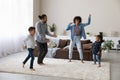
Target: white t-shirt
{"x":30,"y":41}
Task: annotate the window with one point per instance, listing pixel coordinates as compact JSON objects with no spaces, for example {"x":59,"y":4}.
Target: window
{"x":15,"y":17}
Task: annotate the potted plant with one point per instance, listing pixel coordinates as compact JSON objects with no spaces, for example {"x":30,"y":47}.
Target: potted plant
{"x":52,"y":28}
{"x":108,"y":44}
{"x":88,"y":33}
{"x":101,"y":33}
{"x":119,"y":41}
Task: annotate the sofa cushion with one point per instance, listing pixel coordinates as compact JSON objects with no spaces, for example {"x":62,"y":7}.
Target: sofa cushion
{"x":62,"y":43}
{"x":87,"y":46}
{"x":82,"y":41}
{"x":36,"y":51}
{"x":85,"y":41}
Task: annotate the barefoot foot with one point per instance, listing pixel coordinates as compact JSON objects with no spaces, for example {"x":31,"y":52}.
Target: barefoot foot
{"x":82,"y":61}
{"x":70,"y":60}
{"x":41,"y":64}
{"x":32,"y":69}
{"x":23,"y":65}
{"x":99,"y":65}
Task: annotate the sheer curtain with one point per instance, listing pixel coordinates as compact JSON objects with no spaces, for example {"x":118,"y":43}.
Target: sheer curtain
{"x":15,"y":17}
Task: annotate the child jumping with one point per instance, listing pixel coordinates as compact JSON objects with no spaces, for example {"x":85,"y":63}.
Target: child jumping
{"x":96,"y":47}
{"x":77,"y":32}
{"x":30,"y":44}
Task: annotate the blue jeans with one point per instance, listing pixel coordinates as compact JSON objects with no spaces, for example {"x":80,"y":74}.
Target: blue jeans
{"x":78,"y":44}
{"x":30,"y":55}
{"x":96,"y":58}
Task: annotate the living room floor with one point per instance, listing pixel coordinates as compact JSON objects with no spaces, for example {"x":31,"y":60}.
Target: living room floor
{"x":10,"y":76}
{"x":112,"y":57}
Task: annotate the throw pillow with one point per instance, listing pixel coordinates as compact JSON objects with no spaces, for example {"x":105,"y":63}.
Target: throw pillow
{"x":51,"y":44}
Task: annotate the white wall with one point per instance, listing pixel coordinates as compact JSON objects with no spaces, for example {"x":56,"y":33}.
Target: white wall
{"x":105,"y":14}
{"x":36,"y":10}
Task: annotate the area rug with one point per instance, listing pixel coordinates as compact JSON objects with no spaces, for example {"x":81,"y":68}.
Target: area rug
{"x":56,"y":68}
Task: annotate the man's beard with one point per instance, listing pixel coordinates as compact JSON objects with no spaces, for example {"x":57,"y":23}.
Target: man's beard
{"x":45,"y":22}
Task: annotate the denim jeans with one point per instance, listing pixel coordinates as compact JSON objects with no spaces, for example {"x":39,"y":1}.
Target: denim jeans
{"x":30,"y":55}
{"x":96,"y":58}
{"x":78,"y":44}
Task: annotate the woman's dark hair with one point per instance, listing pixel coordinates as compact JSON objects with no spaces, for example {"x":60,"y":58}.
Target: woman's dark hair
{"x":42,"y":16}
{"x":31,"y":28}
{"x":77,"y":18}
{"x":101,"y":38}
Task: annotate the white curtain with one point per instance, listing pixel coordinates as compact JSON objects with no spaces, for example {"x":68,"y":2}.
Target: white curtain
{"x":15,"y":17}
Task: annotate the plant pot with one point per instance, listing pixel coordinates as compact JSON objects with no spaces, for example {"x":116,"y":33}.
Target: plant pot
{"x":107,"y":50}
{"x":88,"y":35}
{"x":52,"y":33}
{"x":119,"y":41}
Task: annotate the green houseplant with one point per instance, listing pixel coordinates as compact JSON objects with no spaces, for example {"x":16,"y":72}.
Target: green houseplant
{"x":119,"y":41}
{"x":88,"y":33}
{"x":52,"y":28}
{"x":108,"y":44}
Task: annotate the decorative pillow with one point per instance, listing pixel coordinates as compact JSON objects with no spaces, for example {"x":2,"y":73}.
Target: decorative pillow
{"x":51,"y":44}
{"x":56,"y":41}
{"x":68,"y":42}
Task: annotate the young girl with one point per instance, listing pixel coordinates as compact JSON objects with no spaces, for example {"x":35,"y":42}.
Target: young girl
{"x":96,"y":47}
{"x":77,"y":32}
{"x":30,"y":44}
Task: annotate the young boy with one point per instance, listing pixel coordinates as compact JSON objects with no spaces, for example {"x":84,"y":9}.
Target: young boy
{"x":96,"y":47}
{"x":30,"y":44}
